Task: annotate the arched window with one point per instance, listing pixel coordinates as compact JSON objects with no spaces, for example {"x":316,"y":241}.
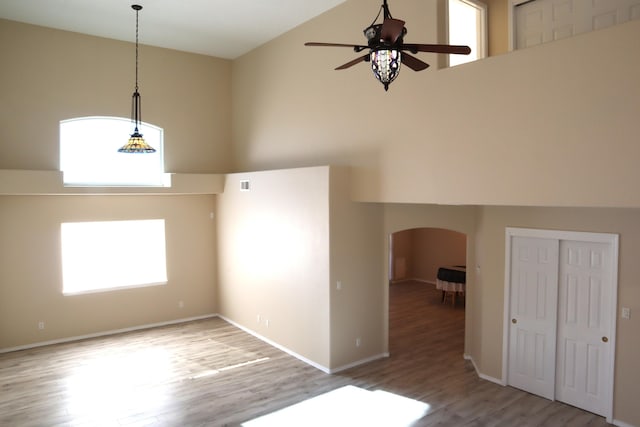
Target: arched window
{"x":89,"y":153}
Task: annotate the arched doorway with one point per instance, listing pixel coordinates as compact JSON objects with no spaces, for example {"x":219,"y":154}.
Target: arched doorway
{"x":417,"y":310}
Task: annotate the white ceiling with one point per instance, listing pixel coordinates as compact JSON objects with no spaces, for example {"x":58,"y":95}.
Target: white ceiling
{"x":221,"y":28}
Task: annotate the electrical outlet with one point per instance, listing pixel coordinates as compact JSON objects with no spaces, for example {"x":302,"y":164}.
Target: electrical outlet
{"x":339,"y":285}
{"x":266,"y":322}
{"x":358,"y":342}
{"x":626,"y":313}
{"x":180,"y":304}
{"x":41,"y":325}
{"x":259,"y":318}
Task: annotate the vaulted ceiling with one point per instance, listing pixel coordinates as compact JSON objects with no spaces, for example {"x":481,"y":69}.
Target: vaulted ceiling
{"x":221,"y":28}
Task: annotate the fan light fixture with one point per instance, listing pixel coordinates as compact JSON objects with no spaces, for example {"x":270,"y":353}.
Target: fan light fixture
{"x":136,"y":143}
{"x":385,"y":59}
{"x":385,"y":64}
{"x":387,"y":49}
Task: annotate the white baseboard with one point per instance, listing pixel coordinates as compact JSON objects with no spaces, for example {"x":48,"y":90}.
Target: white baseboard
{"x":481,"y":375}
{"x":300,"y":357}
{"x":358,"y":363}
{"x":503,"y":383}
{"x":105,"y":333}
{"x":278,"y":346}
{"x":410,"y":279}
{"x":621,"y":423}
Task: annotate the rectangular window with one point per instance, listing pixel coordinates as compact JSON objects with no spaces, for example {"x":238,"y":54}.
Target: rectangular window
{"x":100,"y":256}
{"x":467,"y":26}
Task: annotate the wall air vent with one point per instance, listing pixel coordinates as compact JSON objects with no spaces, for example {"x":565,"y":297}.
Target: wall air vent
{"x":244,"y":185}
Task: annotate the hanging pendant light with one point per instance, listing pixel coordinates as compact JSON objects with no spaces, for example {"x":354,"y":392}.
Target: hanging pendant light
{"x":136,"y":143}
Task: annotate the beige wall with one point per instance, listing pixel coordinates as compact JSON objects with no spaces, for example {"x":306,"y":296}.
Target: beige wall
{"x":526,"y":128}
{"x":284,"y":245}
{"x":401,"y":244}
{"x":625,"y":222}
{"x":31,"y":275}
{"x":434,"y":248}
{"x":50,"y":75}
{"x":498,"y":26}
{"x":357,"y":261}
{"x":273,"y":251}
{"x":423,"y":250}
{"x":550,"y":125}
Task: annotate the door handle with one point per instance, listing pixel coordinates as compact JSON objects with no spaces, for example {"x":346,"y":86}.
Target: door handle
{"x":514,"y":321}
{"x":605,"y":339}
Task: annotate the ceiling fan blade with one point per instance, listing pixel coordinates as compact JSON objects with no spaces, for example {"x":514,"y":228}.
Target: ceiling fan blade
{"x":437,"y":48}
{"x":391,"y":30}
{"x":412,"y":62}
{"x":355,"y":46}
{"x":354,"y":62}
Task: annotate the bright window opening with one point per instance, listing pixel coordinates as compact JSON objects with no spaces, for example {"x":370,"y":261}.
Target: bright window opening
{"x":89,"y":153}
{"x":467,"y":26}
{"x":106,"y":255}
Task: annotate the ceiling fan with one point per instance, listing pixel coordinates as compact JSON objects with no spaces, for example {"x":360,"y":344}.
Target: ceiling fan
{"x":387,"y":49}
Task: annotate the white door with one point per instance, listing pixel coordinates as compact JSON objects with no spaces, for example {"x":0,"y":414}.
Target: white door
{"x":532,"y":340}
{"x":560,"y":316}
{"x":541,"y":21}
{"x":584,"y":327}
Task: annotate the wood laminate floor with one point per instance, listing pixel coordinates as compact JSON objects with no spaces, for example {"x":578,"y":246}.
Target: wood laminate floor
{"x":210,"y":373}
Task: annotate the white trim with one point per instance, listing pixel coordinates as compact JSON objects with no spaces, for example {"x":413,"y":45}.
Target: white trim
{"x":482,"y":32}
{"x":106,"y":333}
{"x":429,"y":282}
{"x":300,"y":357}
{"x":621,"y":423}
{"x":278,"y":346}
{"x":113,"y":288}
{"x":358,"y":363}
{"x":607,"y":238}
{"x":506,"y":305}
{"x":511,"y":16}
{"x":480,"y":374}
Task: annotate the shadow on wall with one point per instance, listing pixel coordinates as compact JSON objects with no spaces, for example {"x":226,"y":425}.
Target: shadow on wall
{"x":417,"y":253}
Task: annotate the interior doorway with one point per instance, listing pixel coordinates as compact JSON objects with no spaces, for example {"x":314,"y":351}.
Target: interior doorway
{"x":416,"y":308}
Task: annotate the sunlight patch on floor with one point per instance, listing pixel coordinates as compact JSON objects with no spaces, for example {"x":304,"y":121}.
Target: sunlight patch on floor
{"x":347,"y":406}
{"x":211,"y":372}
{"x":107,"y":385}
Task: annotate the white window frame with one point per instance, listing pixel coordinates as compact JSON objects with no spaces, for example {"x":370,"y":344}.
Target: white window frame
{"x":482,"y":30}
{"x":89,"y":154}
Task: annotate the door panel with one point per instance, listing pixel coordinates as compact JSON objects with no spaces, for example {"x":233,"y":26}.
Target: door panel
{"x":541,"y":21}
{"x":583,"y":322}
{"x":534,"y":285}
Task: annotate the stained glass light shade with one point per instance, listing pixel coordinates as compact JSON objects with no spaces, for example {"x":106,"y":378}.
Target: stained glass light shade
{"x":136,"y":144}
{"x":385,"y":64}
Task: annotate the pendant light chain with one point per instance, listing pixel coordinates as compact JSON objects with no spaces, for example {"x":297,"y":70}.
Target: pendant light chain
{"x":137,"y":10}
{"x":136,"y":143}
